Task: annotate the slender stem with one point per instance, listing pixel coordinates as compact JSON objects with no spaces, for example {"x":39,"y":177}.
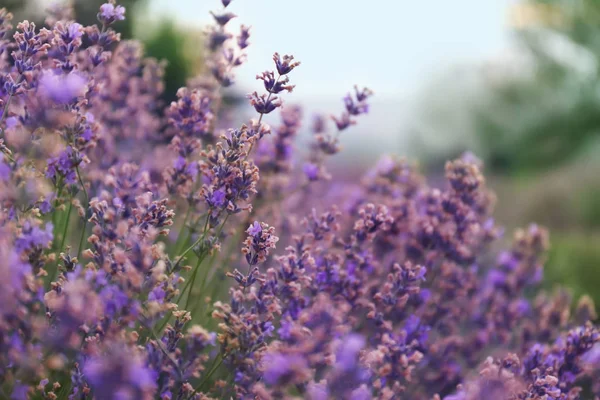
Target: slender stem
{"x":6,"y":106}
{"x":85,"y":219}
{"x":213,"y":369}
{"x":64,"y":238}
{"x":261,"y":115}
{"x":188,"y":283}
{"x":5,"y":113}
{"x":204,"y":278}
{"x":198,"y":241}
{"x":66,"y":227}
{"x":200,"y":259}
{"x":159,"y":343}
{"x":197,"y":268}
{"x":178,"y":242}
{"x":55,"y":213}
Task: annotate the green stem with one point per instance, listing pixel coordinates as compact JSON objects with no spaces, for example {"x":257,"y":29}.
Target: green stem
{"x":213,"y":369}
{"x":63,"y":239}
{"x":198,"y":241}
{"x":261,"y":117}
{"x":166,"y":321}
{"x":178,"y":242}
{"x":165,"y":352}
{"x":203,"y":283}
{"x":85,"y":219}
{"x":191,"y":281}
{"x":197,"y":268}
{"x":66,"y":227}
{"x":56,"y":204}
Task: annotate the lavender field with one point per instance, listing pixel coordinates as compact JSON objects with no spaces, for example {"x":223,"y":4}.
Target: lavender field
{"x":158,"y":250}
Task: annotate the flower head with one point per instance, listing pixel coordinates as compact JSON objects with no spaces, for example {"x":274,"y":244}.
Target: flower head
{"x":285,"y":64}
{"x":109,"y":13}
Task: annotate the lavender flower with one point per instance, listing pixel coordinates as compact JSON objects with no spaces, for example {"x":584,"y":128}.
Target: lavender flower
{"x":260,"y":240}
{"x":109,"y":13}
{"x":63,"y":89}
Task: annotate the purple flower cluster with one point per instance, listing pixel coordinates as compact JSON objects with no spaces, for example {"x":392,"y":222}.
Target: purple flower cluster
{"x":136,"y":263}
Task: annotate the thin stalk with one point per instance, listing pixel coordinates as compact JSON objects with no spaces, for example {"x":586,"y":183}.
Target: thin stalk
{"x":187,"y":301}
{"x":66,"y":227}
{"x":203,"y":283}
{"x":159,"y":343}
{"x":200,"y":259}
{"x":54,"y":213}
{"x":85,"y":219}
{"x":213,"y":369}
{"x":63,"y":239}
{"x":261,"y":115}
{"x":178,"y":242}
{"x":188,"y":283}
{"x":5,"y":113}
{"x":200,"y":239}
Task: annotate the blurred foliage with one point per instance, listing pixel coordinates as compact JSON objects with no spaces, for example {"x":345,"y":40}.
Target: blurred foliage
{"x":13,"y":5}
{"x":565,"y":199}
{"x":169,"y":43}
{"x":86,"y":11}
{"x":535,"y":107}
{"x":549,"y":114}
{"x":574,"y":261}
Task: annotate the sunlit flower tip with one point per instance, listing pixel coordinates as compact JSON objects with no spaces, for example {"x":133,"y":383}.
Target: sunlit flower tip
{"x":311,"y":171}
{"x":11,"y":122}
{"x":224,"y":18}
{"x":282,"y":367}
{"x":347,"y":353}
{"x":255,"y":229}
{"x":273,"y":85}
{"x":355,"y":108}
{"x":285,"y":64}
{"x":110,"y":13}
{"x":343,"y":122}
{"x":73,"y":32}
{"x":217,"y":198}
{"x":264,"y":104}
{"x":319,"y":124}
{"x":4,"y":169}
{"x":63,"y":89}
{"x":216,"y":38}
{"x":243,"y":37}
{"x":362,"y":94}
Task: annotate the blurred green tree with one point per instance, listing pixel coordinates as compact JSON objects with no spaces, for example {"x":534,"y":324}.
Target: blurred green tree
{"x":549,"y":112}
{"x":86,"y":11}
{"x":169,"y":43}
{"x":535,"y":108}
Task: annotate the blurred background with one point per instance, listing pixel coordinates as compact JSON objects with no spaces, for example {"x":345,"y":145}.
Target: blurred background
{"x":517,"y":82}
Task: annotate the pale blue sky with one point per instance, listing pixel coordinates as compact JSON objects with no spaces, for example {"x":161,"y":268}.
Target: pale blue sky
{"x":389,"y":45}
{"x":392,"y":46}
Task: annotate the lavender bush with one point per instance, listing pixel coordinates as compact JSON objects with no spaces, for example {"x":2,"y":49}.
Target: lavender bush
{"x":147,"y":252}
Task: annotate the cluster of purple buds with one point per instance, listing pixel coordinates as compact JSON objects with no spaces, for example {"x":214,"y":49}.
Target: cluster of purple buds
{"x":325,"y":144}
{"x":267,"y":102}
{"x":226,"y":51}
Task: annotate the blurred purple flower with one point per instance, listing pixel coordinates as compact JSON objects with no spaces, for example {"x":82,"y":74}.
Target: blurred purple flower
{"x":63,"y":89}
